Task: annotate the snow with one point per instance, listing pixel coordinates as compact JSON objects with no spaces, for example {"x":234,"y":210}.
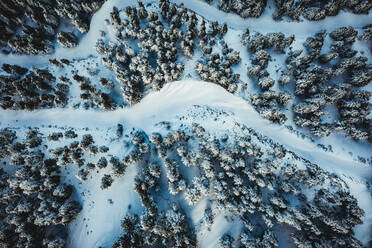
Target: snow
{"x":264,"y":24}
{"x":98,"y":225}
{"x":99,"y":222}
{"x":172,"y":101}
{"x":175,"y":99}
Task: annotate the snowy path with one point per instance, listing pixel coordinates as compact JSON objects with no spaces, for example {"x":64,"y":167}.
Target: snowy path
{"x":176,"y":98}
{"x":264,"y":24}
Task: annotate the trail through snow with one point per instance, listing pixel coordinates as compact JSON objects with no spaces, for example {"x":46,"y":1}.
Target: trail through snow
{"x":264,"y":24}
{"x":175,"y":99}
{"x":172,"y":101}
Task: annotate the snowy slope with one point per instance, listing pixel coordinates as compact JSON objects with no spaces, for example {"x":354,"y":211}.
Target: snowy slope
{"x":169,"y":104}
{"x":175,"y":99}
{"x":186,"y":101}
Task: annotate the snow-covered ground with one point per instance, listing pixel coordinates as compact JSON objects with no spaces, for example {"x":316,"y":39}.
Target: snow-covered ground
{"x":175,"y":99}
{"x":265,"y":24}
{"x":98,"y":225}
{"x":99,"y":221}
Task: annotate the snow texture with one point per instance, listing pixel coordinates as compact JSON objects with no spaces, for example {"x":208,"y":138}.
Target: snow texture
{"x":98,"y":225}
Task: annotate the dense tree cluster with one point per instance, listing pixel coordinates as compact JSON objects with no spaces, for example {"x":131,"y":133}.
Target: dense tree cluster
{"x":216,"y":68}
{"x":23,"y":89}
{"x":35,"y":204}
{"x":268,"y":103}
{"x":154,"y":62}
{"x":107,"y":83}
{"x":67,"y":39}
{"x":30,"y":26}
{"x":77,"y":152}
{"x":259,"y":45}
{"x":310,"y":10}
{"x":94,"y":97}
{"x":333,"y":79}
{"x":248,"y":176}
{"x":149,"y":45}
{"x":322,"y":82}
{"x":318,"y":10}
{"x":367,"y":33}
{"x":168,"y":228}
{"x":106,"y":181}
{"x":244,"y":8}
{"x":226,"y":241}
